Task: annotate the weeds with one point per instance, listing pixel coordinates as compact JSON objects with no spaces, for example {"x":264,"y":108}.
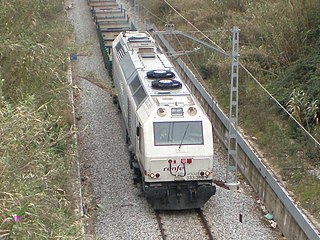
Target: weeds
{"x":33,"y":47}
{"x":35,"y":202}
{"x":34,"y":172}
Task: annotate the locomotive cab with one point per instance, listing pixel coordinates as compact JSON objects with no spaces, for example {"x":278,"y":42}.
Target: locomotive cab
{"x":177,"y":159}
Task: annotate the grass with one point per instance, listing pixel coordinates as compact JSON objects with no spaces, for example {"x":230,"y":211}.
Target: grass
{"x":33,"y":48}
{"x":34,"y":174}
{"x":36,"y":197}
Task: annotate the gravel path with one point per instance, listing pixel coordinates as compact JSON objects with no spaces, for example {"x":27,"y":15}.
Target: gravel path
{"x":120,"y":211}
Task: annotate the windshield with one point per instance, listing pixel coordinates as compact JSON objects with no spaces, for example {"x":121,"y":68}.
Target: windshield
{"x":178,"y":133}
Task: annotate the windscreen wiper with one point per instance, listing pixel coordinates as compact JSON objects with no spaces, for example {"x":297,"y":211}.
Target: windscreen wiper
{"x":184,"y":134}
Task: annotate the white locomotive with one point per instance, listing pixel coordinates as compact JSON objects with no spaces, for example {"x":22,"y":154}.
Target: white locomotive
{"x":170,"y":137}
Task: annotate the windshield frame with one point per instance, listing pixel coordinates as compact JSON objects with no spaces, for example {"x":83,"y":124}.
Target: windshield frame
{"x":178,"y":133}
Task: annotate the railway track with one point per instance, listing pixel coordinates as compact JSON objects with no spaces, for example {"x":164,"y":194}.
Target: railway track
{"x":114,"y":220}
{"x":189,"y":224}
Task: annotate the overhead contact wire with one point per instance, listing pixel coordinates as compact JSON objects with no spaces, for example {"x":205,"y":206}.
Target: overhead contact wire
{"x":187,"y":56}
{"x":160,"y":19}
{"x":250,"y":74}
{"x":278,"y":103}
{"x":199,"y":31}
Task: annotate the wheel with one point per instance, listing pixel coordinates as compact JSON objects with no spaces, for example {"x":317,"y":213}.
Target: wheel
{"x":114,"y":99}
{"x":142,"y":184}
{"x":127,"y":140}
{"x":136,"y":173}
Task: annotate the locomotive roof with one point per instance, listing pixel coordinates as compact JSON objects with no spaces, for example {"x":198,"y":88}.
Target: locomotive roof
{"x":138,"y":52}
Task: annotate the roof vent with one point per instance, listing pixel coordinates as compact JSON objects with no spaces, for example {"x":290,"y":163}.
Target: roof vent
{"x":160,"y":74}
{"x":138,"y":38}
{"x":165,"y":84}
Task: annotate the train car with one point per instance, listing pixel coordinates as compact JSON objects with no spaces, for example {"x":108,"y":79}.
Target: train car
{"x":169,"y":135}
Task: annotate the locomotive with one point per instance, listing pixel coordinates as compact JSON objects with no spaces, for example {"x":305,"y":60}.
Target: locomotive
{"x":169,"y":136}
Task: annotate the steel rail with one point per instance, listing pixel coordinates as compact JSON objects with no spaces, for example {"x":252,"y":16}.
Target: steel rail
{"x":205,"y":224}
{"x":162,"y":231}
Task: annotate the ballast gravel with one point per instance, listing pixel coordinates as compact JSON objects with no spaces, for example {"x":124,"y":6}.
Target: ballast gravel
{"x":120,"y":210}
